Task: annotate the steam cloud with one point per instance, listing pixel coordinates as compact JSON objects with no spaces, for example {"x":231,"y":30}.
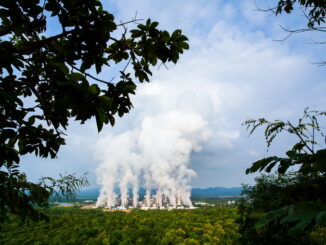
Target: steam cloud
{"x":154,"y":155}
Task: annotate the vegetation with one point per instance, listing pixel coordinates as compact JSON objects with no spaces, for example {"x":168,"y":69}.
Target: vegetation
{"x":313,"y":10}
{"x":307,"y":153}
{"x":76,"y":226}
{"x":268,"y":200}
{"x":46,"y":81}
{"x":285,"y":208}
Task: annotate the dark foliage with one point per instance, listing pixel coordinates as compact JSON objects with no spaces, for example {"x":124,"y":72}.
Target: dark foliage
{"x":315,"y":10}
{"x":45,"y":81}
{"x":270,"y":208}
{"x":303,"y":153}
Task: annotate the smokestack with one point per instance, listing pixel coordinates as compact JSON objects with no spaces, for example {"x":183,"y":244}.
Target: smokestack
{"x":135,"y":196}
{"x":148,"y":197}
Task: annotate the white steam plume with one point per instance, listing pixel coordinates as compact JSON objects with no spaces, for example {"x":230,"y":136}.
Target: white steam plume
{"x":155,"y":155}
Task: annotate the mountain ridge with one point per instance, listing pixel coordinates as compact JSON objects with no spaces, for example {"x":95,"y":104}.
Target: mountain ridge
{"x":195,"y":192}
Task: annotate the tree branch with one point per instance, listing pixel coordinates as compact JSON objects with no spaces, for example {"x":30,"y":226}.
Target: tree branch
{"x":41,"y":43}
{"x":89,"y":75}
{"x":131,"y":21}
{"x":302,"y":140}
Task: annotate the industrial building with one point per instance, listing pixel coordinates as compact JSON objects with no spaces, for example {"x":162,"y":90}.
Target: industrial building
{"x":150,"y":202}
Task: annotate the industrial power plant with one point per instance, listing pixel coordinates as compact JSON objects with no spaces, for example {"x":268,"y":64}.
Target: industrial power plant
{"x":154,"y":156}
{"x":158,"y":200}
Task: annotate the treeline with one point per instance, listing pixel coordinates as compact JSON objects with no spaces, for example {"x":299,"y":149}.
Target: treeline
{"x":76,"y":226}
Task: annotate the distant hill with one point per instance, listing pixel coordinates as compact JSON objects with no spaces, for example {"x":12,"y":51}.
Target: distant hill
{"x":195,"y":192}
{"x":216,"y":192}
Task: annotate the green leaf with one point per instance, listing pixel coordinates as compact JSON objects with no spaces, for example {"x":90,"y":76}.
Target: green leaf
{"x":285,"y":163}
{"x":154,"y":61}
{"x":106,"y":100}
{"x":100,"y":118}
{"x":136,"y":33}
{"x":61,"y":66}
{"x":154,"y":25}
{"x":130,"y":87}
{"x":298,"y":146}
{"x":165,"y":36}
{"x":76,"y":76}
{"x":181,"y":38}
{"x":142,"y":27}
{"x":320,"y":164}
{"x":298,"y":228}
{"x":31,"y":120}
{"x":183,"y":45}
{"x":295,"y":217}
{"x":112,"y":120}
{"x":21,"y":145}
{"x":321,"y":218}
{"x":271,"y":216}
{"x":261,"y":164}
{"x":94,"y":89}
{"x":176,"y":33}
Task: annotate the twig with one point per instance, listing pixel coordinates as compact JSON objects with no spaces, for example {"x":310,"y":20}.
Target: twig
{"x":131,"y":21}
{"x":164,"y":66}
{"x":265,"y":10}
{"x":126,"y":65}
{"x":89,"y":75}
{"x":285,"y":38}
{"x":302,"y":140}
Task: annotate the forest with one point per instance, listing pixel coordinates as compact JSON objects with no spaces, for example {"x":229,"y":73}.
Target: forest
{"x":71,"y":225}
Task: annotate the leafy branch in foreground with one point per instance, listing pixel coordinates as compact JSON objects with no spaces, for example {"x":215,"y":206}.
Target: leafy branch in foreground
{"x":314,"y":10}
{"x":64,"y":187}
{"x":303,"y":152}
{"x":313,"y":13}
{"x":23,"y":196}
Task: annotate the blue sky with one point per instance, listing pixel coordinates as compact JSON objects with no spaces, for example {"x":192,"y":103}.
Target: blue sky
{"x":234,"y":70}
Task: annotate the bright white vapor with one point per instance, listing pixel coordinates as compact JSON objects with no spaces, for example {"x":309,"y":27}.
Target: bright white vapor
{"x":155,"y":155}
{"x":233,"y":71}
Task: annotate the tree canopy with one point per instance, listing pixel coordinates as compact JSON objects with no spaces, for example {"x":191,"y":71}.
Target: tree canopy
{"x":71,"y":225}
{"x":48,"y":78}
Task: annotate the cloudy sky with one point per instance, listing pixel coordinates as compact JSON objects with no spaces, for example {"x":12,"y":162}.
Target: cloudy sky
{"x":235,"y":70}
